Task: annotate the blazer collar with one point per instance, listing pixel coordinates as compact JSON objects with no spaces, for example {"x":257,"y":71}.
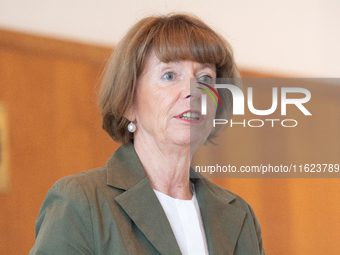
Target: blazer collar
{"x":124,"y":169}
{"x":222,"y":221}
{"x":139,"y":201}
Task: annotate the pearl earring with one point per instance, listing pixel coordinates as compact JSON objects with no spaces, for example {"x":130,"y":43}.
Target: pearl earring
{"x":131,"y":127}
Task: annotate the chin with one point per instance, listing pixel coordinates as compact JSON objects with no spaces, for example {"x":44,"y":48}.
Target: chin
{"x":193,"y":138}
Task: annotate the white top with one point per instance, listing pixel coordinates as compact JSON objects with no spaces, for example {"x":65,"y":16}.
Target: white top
{"x":186,"y":223}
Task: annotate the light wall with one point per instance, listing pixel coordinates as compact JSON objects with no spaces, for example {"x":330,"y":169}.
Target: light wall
{"x":299,"y":38}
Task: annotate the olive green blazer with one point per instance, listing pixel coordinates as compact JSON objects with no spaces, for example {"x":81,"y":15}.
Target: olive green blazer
{"x":114,"y":210}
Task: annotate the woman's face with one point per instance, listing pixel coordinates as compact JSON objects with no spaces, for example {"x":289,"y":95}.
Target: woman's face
{"x":165,"y":109}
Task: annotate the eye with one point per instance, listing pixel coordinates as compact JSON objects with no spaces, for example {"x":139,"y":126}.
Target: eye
{"x":169,"y":76}
{"x":206,"y":79}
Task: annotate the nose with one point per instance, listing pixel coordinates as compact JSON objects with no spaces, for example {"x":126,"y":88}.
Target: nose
{"x":191,"y":91}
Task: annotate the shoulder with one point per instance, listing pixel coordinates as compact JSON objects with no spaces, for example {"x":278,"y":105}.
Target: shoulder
{"x":94,"y":175}
{"x":74,"y":189}
{"x":68,"y":217}
{"x":85,"y":188}
{"x":73,"y":194}
{"x":81,"y":182}
{"x":65,"y":221}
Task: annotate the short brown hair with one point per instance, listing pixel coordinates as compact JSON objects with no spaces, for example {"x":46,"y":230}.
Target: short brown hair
{"x":173,"y":37}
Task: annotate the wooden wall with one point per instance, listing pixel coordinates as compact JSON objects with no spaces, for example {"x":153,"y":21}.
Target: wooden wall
{"x":55,"y":130}
{"x":50,"y":89}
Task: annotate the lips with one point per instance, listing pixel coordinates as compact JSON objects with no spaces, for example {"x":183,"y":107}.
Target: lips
{"x":191,"y":116}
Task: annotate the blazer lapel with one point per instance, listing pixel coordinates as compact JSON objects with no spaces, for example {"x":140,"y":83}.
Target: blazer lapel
{"x":139,"y":200}
{"x":222,"y":221}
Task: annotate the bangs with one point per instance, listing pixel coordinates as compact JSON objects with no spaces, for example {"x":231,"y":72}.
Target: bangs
{"x":176,"y":40}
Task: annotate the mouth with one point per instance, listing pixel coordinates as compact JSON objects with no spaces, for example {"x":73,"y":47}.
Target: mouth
{"x":191,"y":116}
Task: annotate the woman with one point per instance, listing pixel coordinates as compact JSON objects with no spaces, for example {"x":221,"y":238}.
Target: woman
{"x":147,"y":200}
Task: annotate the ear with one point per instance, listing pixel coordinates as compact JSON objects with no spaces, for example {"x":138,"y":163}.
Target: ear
{"x":130,"y":113}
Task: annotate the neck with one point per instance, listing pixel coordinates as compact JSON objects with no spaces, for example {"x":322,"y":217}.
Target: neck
{"x":167,"y":167}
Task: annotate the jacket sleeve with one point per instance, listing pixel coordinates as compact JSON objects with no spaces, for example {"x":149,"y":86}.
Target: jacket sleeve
{"x":258,"y":231}
{"x":64,"y":224}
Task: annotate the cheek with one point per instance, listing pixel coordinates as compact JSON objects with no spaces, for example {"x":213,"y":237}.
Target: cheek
{"x":147,"y":98}
{"x":164,"y":98}
{"x":158,"y":96}
{"x":155,"y":105}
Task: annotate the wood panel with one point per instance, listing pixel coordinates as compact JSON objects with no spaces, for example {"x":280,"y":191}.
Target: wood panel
{"x":55,"y":130}
{"x":50,"y":88}
{"x":4,"y":155}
